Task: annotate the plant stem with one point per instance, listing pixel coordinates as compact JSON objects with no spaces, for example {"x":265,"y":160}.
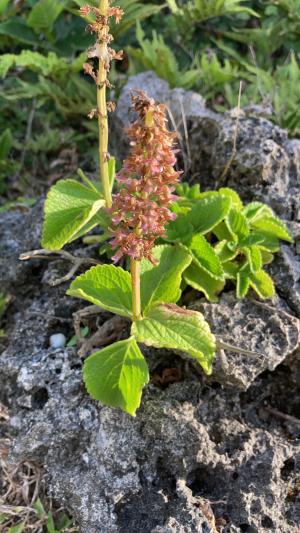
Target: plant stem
{"x":135,"y":268}
{"x":101,"y":104}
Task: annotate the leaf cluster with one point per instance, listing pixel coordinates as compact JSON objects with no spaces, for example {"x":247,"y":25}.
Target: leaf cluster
{"x":227,"y":241}
{"x":116,"y":374}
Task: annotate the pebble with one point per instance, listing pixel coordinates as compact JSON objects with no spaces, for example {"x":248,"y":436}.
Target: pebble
{"x":58,"y":340}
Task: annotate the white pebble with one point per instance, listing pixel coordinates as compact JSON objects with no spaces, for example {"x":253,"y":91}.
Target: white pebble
{"x":58,"y":340}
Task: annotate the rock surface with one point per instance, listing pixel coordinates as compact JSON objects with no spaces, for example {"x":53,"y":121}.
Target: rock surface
{"x":202,"y":455}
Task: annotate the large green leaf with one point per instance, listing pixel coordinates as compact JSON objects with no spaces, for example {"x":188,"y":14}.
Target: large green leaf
{"x":199,"y":279}
{"x":116,"y":375}
{"x":170,"y":326}
{"x":205,"y":256}
{"x":69,"y":207}
{"x":107,"y":286}
{"x":161,"y":283}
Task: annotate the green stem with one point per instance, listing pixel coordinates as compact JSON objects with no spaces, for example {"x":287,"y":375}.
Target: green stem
{"x":102,"y":108}
{"x":135,"y":269}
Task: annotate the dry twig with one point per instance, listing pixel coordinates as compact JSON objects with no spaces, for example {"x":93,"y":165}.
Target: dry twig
{"x":49,"y":254}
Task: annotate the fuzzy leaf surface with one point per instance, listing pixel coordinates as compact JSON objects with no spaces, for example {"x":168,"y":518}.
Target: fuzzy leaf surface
{"x":202,"y":281}
{"x":170,"y":326}
{"x":107,"y":286}
{"x":238,"y":224}
{"x":203,"y":217}
{"x":69,"y":207}
{"x":262,"y":283}
{"x":205,"y":256}
{"x":161,"y":283}
{"x":274,"y":227}
{"x":116,"y":375}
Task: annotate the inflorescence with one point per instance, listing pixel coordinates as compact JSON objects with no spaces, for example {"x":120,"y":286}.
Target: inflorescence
{"x":140,"y":210}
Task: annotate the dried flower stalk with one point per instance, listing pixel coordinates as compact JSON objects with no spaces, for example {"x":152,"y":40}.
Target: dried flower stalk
{"x":140,"y":210}
{"x":104,"y":54}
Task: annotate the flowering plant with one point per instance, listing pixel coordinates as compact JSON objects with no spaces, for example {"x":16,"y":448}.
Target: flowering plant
{"x":140,"y":211}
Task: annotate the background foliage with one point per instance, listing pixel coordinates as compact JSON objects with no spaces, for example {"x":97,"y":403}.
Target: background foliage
{"x":207,"y":46}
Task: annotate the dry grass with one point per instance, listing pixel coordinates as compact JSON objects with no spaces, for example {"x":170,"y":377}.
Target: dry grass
{"x":22,"y":491}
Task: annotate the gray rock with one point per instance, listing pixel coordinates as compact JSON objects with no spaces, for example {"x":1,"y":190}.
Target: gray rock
{"x":199,"y":455}
{"x":268,"y":331}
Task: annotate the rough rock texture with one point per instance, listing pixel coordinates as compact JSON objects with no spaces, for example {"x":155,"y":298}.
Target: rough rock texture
{"x":202,"y":455}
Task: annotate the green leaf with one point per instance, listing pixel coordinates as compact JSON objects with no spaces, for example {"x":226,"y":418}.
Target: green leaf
{"x":203,"y":217}
{"x":224,"y":251}
{"x":3,"y":6}
{"x":116,"y":375}
{"x":242,"y":284}
{"x":69,"y":207}
{"x":43,"y":15}
{"x":208,"y":212}
{"x":262,"y":283}
{"x":17,"y":29}
{"x":200,"y":280}
{"x":107,"y":286}
{"x":205,"y":256}
{"x":256,"y":210}
{"x":274,"y":227}
{"x":253,"y":255}
{"x":170,"y":326}
{"x":238,"y":224}
{"x":161,"y":283}
{"x":6,"y":141}
{"x":236,"y":202}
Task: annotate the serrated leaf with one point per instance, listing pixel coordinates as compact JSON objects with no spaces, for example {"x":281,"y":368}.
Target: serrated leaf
{"x":200,"y":280}
{"x":224,"y":251}
{"x":266,"y":256}
{"x":223,"y":233}
{"x":107,"y":286}
{"x":236,"y":202}
{"x":255,"y":210}
{"x":238,"y":224}
{"x":253,"y":255}
{"x":170,"y":326}
{"x":262,"y":283}
{"x":205,"y":256}
{"x":69,"y":207}
{"x":116,"y":375}
{"x":242,"y":284}
{"x":231,"y":269}
{"x":203,"y":217}
{"x":208,"y":212}
{"x":161,"y":283}
{"x":272,"y":226}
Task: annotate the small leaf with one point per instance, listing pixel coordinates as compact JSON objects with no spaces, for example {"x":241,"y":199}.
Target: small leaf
{"x":116,"y":375}
{"x":253,"y":255}
{"x":256,"y":210}
{"x":19,"y":528}
{"x":224,"y":251}
{"x":242,"y":284}
{"x":205,"y":256}
{"x":161,"y":283}
{"x":107,"y":286}
{"x":266,"y":256}
{"x":263,"y":284}
{"x":69,"y":207}
{"x":238,"y":224}
{"x":274,"y":227}
{"x":170,"y":326}
{"x":200,"y":280}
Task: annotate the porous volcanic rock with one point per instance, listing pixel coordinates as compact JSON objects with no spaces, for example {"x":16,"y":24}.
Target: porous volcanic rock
{"x":202,"y":455}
